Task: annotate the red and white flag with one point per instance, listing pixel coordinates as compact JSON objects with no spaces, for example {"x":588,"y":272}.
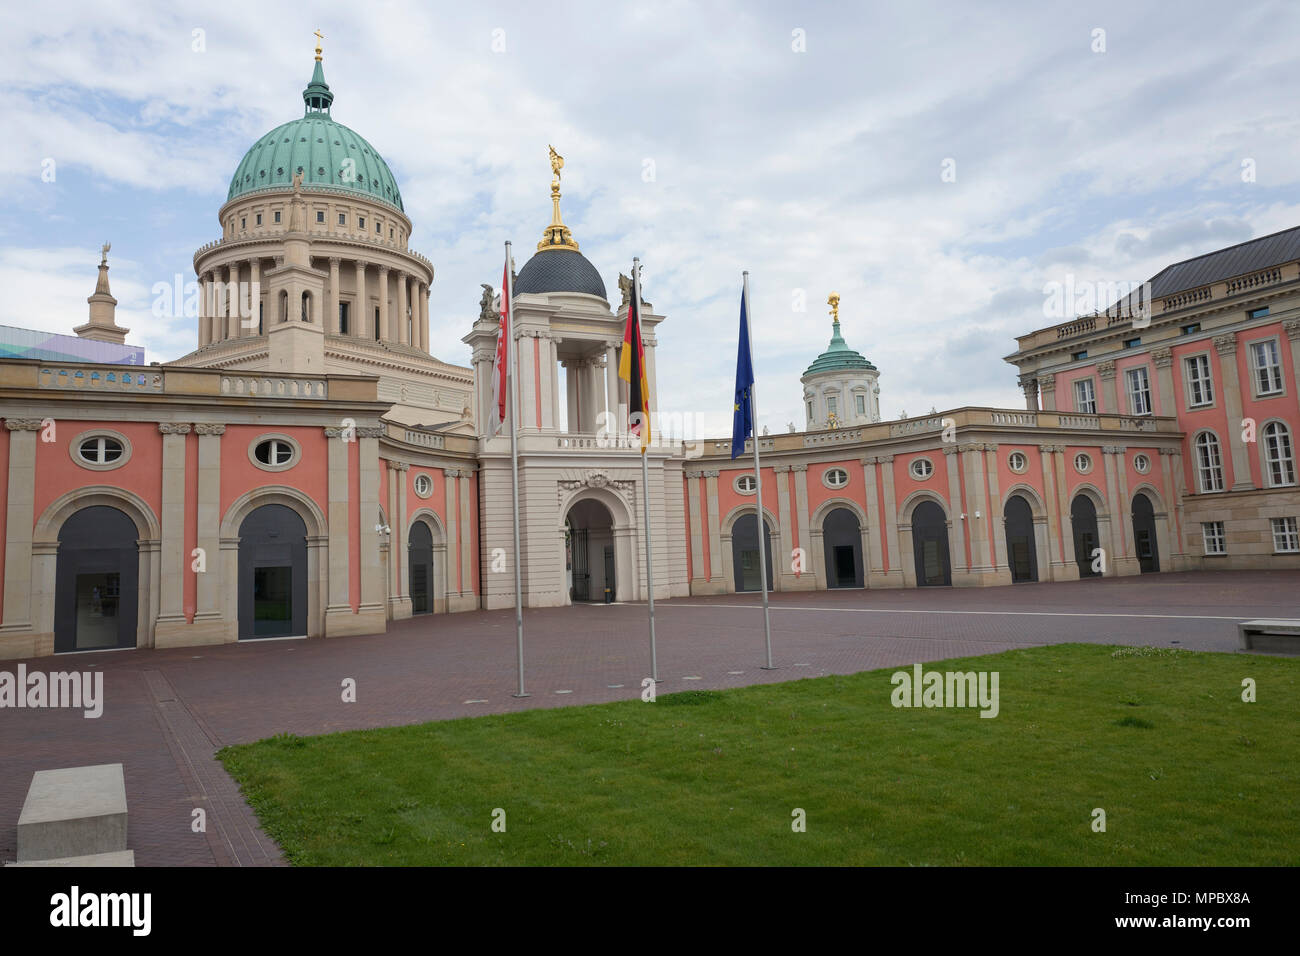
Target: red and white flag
{"x":499,"y":363}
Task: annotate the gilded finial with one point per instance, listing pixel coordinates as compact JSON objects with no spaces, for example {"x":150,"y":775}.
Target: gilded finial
{"x":557,"y":235}
{"x":834,"y":303}
{"x":319,"y":36}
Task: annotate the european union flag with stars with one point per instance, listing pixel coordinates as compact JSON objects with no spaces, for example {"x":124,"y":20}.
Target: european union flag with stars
{"x":742,"y":420}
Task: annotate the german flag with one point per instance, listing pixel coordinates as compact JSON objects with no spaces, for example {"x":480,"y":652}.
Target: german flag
{"x":631,"y":369}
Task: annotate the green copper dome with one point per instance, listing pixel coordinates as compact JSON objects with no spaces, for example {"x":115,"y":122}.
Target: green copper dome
{"x":328,"y":154}
{"x":838,"y":356}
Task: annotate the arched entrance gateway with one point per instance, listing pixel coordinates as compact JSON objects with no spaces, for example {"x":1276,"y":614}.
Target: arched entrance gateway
{"x":590,"y":566}
{"x":930,"y":546}
{"x":744,"y":553}
{"x":272,"y":573}
{"x":1022,"y":551}
{"x":96,"y":581}
{"x":420,"y":564}
{"x":1144,"y":534}
{"x":1083,"y":518}
{"x":842,"y":545}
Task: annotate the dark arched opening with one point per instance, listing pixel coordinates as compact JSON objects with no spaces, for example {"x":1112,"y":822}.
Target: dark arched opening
{"x":930,"y":546}
{"x":744,"y":553}
{"x":272,"y":573}
{"x":842,"y":549}
{"x":1083,"y":518}
{"x":1144,"y":534}
{"x":96,"y":581}
{"x":420,"y":565}
{"x":1022,"y":550}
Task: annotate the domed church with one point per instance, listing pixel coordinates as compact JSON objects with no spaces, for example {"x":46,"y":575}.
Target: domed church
{"x":314,"y":222}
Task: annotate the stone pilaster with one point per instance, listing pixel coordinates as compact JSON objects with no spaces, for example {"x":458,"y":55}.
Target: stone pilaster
{"x":19,"y":519}
{"x":467,"y":599}
{"x":210,"y":624}
{"x":717,"y":574}
{"x":1226,"y":346}
{"x":1109,"y":391}
{"x":364,"y":326}
{"x":171,"y":622}
{"x":403,"y":320}
{"x":385,"y":332}
{"x":1164,"y":361}
{"x":339,"y":619}
{"x":1116,"y":465}
{"x":1029,"y":385}
{"x":1047,"y":389}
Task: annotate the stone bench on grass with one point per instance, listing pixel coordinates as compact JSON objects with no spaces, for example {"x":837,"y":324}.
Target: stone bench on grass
{"x":74,"y":812}
{"x":1270,"y":636}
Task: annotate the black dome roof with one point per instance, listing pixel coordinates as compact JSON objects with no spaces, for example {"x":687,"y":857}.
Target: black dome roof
{"x":559,"y":270}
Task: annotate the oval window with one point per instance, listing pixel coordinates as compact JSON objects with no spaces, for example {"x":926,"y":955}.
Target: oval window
{"x":273,"y":452}
{"x":1082,"y":463}
{"x":1018,"y":462}
{"x":1142,"y":464}
{"x":922,"y":468}
{"x":836,"y":478}
{"x":746,"y":484}
{"x":100,"y":450}
{"x":423,"y":485}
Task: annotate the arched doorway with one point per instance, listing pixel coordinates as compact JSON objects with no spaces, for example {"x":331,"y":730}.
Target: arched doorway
{"x":96,"y":581}
{"x":272,"y":573}
{"x":419,"y":561}
{"x":842,"y":547}
{"x":744,"y":553}
{"x":1022,"y":551}
{"x":1083,"y":518}
{"x":590,"y":568}
{"x":930,"y":546}
{"x":1144,"y":534}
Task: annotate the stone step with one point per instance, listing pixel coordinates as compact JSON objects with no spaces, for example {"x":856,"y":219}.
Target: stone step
{"x":116,"y":858}
{"x":73,"y":812}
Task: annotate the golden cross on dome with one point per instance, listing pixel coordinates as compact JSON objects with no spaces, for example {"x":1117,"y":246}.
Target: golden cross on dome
{"x":319,"y":36}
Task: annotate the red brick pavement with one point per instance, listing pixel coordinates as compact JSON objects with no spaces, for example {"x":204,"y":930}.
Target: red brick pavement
{"x":166,"y":712}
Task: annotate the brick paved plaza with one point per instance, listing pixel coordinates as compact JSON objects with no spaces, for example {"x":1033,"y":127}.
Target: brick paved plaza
{"x":167,"y":712}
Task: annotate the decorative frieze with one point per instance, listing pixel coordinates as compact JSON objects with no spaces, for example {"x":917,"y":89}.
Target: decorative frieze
{"x":23,"y":424}
{"x":1225,"y":344}
{"x":207,"y":428}
{"x":174,"y":428}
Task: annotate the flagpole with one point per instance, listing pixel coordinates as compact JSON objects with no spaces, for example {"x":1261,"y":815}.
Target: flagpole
{"x":645,"y":475}
{"x":758,"y":484}
{"x":508,"y":304}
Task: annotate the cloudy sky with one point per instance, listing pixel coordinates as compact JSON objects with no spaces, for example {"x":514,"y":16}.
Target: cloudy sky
{"x":807,"y":143}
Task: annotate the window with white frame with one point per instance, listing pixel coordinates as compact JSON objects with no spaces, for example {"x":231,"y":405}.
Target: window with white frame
{"x":1200,"y":390}
{"x":835,"y":478}
{"x":1082,"y":463}
{"x":862,"y":404}
{"x":1139,"y":390}
{"x":1212,"y":537}
{"x":832,"y":405}
{"x":423,"y":485}
{"x":100,"y":450}
{"x":1209,"y":464}
{"x":1141,"y":463}
{"x":746,"y":484}
{"x":1085,"y":396}
{"x":1279,"y":464}
{"x":1286,"y":537}
{"x":1266,"y":363}
{"x":921,"y":468}
{"x":1017,"y":462}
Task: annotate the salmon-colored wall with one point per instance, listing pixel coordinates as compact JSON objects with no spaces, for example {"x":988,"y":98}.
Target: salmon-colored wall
{"x":1122,"y":365}
{"x":1192,"y":421}
{"x":705,"y":540}
{"x":473,"y":526}
{"x":57,"y":473}
{"x":819,"y":494}
{"x":1262,"y":410}
{"x":309,"y":476}
{"x":729,"y":498}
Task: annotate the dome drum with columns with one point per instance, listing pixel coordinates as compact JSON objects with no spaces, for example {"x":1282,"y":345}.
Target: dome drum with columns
{"x":314,"y":222}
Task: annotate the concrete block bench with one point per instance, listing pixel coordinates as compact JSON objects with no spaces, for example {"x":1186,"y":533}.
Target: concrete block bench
{"x":118,"y":858}
{"x":1270,"y":636}
{"x":75,"y":812}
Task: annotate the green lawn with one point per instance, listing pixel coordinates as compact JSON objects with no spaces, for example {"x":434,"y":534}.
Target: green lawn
{"x":1160,"y":739}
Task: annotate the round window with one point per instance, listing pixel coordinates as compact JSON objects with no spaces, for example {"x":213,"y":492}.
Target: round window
{"x":274,"y":453}
{"x":836,"y":478}
{"x":1082,"y":463}
{"x":423,"y":485}
{"x":921,"y":468}
{"x":746,"y":484}
{"x":1018,"y":462}
{"x":1142,"y":464}
{"x":100,"y":451}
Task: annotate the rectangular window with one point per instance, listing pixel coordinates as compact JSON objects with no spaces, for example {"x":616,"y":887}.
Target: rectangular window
{"x":1139,"y":390}
{"x":377,"y":339}
{"x":1200,"y":390}
{"x":832,"y":406}
{"x":1286,"y":537}
{"x":361,"y":224}
{"x":1190,"y":329}
{"x":1085,"y":397}
{"x":343,"y":219}
{"x":1267,"y":364}
{"x":1209,"y":464}
{"x":1212,"y":537}
{"x":1258,"y":313}
{"x":1132,"y":343}
{"x":1078,"y":356}
{"x":862,"y":406}
{"x":243,"y":222}
{"x":810,"y":418}
{"x":343,"y":318}
{"x":277,"y":219}
{"x":320,"y":215}
{"x":378,"y":228}
{"x":259,"y":218}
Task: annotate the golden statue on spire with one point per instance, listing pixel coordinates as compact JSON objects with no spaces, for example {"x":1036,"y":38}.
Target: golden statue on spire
{"x":319,"y":36}
{"x":557,"y":235}
{"x":834,"y":303}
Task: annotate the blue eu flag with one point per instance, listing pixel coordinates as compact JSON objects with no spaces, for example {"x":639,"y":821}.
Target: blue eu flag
{"x":742,"y":420}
